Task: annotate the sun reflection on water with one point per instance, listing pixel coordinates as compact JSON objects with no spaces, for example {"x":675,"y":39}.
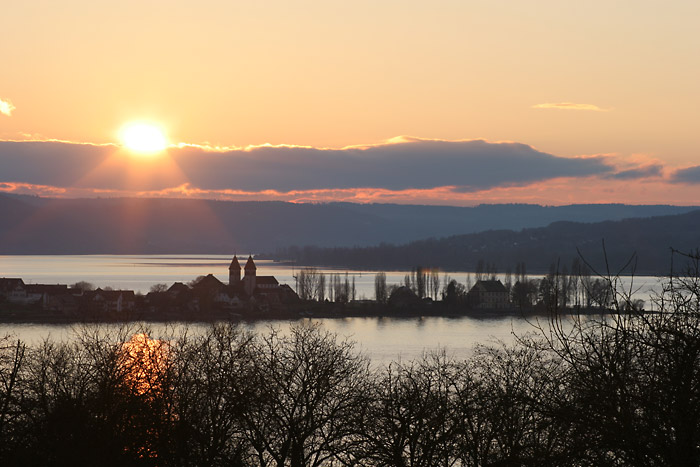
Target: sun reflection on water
{"x":144,"y":361}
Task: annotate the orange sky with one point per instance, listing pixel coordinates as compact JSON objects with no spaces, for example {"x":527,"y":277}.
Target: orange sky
{"x":567,"y":78}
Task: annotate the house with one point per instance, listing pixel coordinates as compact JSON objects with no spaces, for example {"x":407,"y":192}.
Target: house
{"x":13,"y":290}
{"x":45,"y":295}
{"x":490,"y":294}
{"x":228,"y":299}
{"x":209,"y":285}
{"x":66,"y":303}
{"x":111,"y":301}
{"x":178,"y":289}
{"x":403,"y":297}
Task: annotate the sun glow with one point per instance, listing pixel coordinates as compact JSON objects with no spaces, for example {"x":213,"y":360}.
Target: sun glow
{"x":143,"y":138}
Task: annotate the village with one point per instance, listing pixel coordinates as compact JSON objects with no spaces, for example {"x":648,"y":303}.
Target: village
{"x":245,"y":296}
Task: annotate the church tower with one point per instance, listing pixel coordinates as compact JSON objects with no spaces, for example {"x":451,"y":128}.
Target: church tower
{"x":249,"y":278}
{"x":234,"y":272}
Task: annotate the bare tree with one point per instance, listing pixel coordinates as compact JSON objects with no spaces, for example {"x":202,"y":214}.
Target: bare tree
{"x":631,"y":385}
{"x":310,"y":401}
{"x":213,"y":374}
{"x":502,"y":414}
{"x":412,"y":414}
{"x":159,"y":288}
{"x":380,"y":290}
{"x":83,"y":286}
{"x":321,"y":287}
{"x":12,"y":360}
{"x":479,"y":271}
{"x":435,"y":283}
{"x":420,"y":282}
{"x":309,"y":281}
{"x":195,"y":281}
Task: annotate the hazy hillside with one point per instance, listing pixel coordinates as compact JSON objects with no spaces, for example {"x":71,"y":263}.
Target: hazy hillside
{"x":30,"y":225}
{"x":651,"y":238}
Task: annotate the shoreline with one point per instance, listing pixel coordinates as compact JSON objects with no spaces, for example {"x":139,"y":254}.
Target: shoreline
{"x":290,"y":314}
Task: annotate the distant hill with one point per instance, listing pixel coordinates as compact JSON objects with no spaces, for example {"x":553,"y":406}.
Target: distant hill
{"x":539,"y":248}
{"x":32,"y":225}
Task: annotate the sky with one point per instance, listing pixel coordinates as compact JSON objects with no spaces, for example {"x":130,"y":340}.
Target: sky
{"x":442,"y":102}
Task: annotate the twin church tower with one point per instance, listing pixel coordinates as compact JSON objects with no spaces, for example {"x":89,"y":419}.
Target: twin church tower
{"x":252,"y":284}
{"x":234,"y":275}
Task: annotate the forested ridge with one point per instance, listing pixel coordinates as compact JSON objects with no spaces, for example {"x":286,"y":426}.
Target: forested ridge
{"x":539,"y":248}
{"x":32,"y":225}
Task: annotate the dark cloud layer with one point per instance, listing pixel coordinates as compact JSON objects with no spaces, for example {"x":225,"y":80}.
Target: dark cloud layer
{"x":414,"y":164}
{"x":470,"y":165}
{"x":687,"y":175}
{"x":49,"y":163}
{"x":648,"y":171}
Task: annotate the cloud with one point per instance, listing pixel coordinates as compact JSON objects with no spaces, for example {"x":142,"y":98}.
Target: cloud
{"x":401,"y":170}
{"x":28,"y":189}
{"x":648,"y":171}
{"x":49,"y":162}
{"x":690,"y":175}
{"x":570,"y":106}
{"x":6,"y":107}
{"x":409,"y":164}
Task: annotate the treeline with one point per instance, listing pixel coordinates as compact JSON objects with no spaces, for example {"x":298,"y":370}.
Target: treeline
{"x":538,"y":247}
{"x":564,"y":286}
{"x":623,"y":389}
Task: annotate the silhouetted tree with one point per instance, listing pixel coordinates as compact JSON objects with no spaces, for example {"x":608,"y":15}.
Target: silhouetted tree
{"x":524,"y":293}
{"x":411,"y":416}
{"x":434,"y":283}
{"x":310,"y":284}
{"x":480,"y":270}
{"x":454,"y":293}
{"x":631,"y":380}
{"x":83,"y":286}
{"x":310,"y":399}
{"x":380,"y":290}
{"x":158,"y":288}
{"x":214,"y":387}
{"x":321,"y":287}
{"x":195,"y":281}
{"x":12,"y":360}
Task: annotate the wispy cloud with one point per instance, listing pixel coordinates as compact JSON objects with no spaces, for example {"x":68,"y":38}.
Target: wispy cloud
{"x":569,"y":106}
{"x":6,"y":107}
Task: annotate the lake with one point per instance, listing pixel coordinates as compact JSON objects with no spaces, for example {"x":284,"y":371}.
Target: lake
{"x":383,"y":340}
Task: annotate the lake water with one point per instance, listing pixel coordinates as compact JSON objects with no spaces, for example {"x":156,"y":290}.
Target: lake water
{"x":381,"y":339}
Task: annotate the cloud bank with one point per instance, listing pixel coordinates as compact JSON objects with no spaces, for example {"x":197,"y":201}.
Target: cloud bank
{"x":415,"y":164}
{"x":645,"y":171}
{"x":6,"y":107}
{"x":690,"y":175}
{"x":412,"y":164}
{"x":401,"y":170}
{"x":570,"y":106}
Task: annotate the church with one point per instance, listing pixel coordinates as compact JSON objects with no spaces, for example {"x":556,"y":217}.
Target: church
{"x":250,"y":288}
{"x":251,"y":282}
{"x":253,"y":285}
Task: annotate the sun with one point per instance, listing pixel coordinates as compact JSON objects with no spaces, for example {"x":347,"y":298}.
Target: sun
{"x":143,"y":138}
